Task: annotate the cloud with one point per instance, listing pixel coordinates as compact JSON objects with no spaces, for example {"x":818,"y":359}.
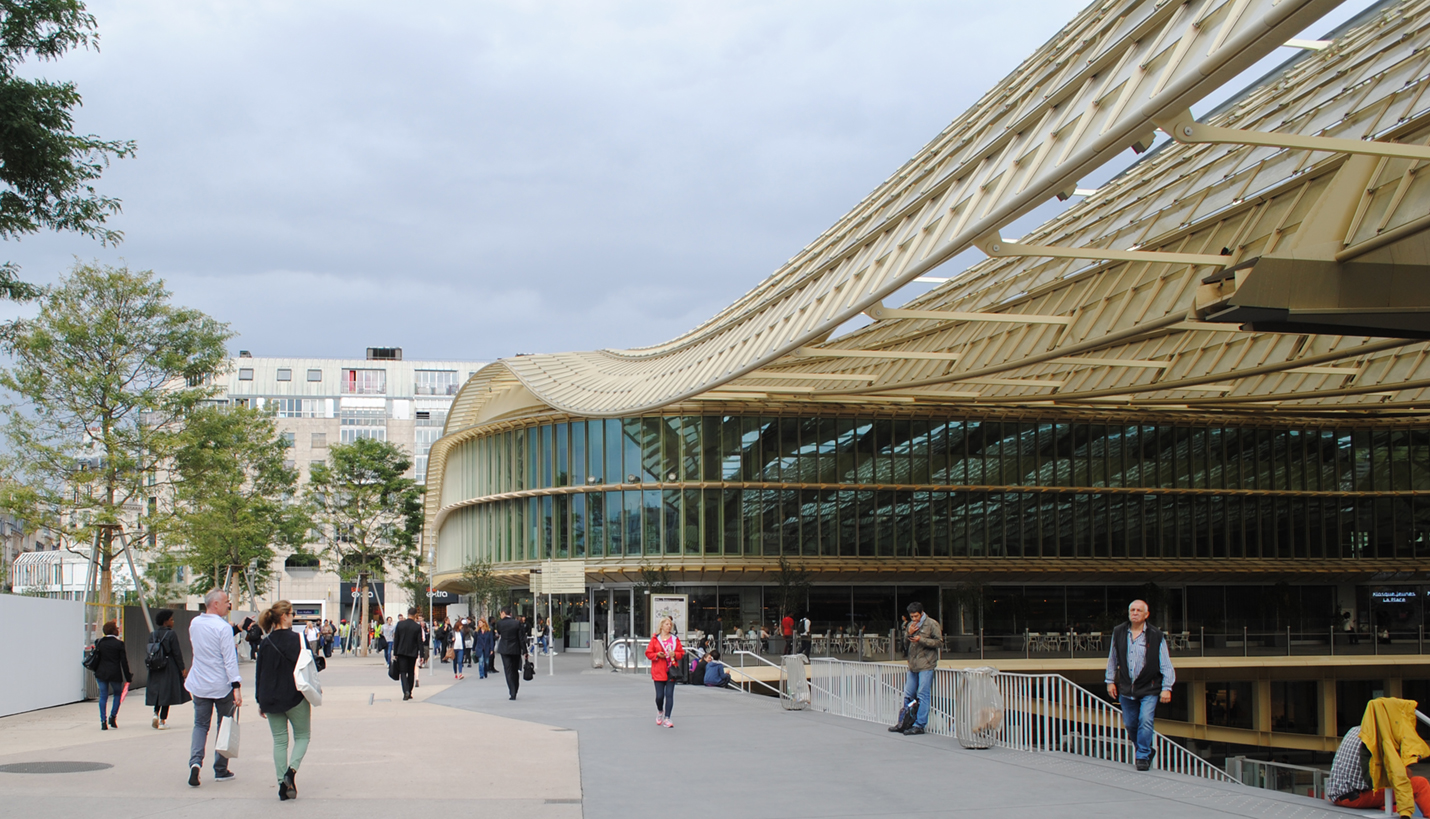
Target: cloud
{"x":474,"y":180}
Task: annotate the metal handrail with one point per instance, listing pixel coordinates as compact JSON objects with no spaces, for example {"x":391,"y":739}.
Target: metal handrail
{"x":748,"y":679}
{"x":1039,"y":712}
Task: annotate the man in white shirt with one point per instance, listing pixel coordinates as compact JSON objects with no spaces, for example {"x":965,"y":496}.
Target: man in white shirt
{"x":213,"y":680}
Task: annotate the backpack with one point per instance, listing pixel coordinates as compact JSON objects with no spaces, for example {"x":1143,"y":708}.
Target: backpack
{"x":908,"y":714}
{"x":154,"y":657}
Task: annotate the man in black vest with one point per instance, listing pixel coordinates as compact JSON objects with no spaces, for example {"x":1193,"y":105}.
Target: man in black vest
{"x":1140,"y":682}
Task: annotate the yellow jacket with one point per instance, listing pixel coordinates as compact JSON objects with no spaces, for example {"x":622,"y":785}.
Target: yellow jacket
{"x":1388,"y":731}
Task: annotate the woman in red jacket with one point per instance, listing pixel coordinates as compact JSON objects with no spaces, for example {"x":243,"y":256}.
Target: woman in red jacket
{"x":664,"y":649}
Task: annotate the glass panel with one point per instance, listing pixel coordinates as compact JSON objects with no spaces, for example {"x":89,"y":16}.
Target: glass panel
{"x":578,"y":454}
{"x":563,"y":456}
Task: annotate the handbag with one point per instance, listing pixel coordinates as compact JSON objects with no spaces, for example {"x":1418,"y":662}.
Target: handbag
{"x":305,"y":678}
{"x":393,"y":671}
{"x":227,"y":744}
{"x":528,"y":670}
{"x":450,"y":655}
{"x":91,"y":659}
{"x":675,"y":670}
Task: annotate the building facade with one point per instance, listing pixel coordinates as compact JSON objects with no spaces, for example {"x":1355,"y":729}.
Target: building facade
{"x":1203,"y":383}
{"x":318,"y":402}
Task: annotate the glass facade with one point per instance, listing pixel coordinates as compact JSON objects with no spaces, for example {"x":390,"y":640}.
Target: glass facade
{"x":908,"y":487}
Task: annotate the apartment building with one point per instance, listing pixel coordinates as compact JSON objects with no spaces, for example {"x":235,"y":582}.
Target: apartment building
{"x":320,"y":402}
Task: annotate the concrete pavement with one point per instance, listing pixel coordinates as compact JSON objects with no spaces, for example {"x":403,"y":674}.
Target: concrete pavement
{"x":387,"y":758}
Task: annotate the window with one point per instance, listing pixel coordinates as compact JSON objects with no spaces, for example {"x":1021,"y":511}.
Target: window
{"x":312,"y":464}
{"x":285,"y":374}
{"x":423,"y":438}
{"x":288,"y":463}
{"x":289,"y":438}
{"x":434,"y":382}
{"x":298,"y":407}
{"x":320,"y":440}
{"x":245,"y":374}
{"x":365,"y":382}
{"x":363,"y":423}
{"x":315,"y":375}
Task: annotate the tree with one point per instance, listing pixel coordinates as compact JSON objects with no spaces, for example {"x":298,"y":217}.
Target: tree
{"x":368,"y":512}
{"x":235,"y":499}
{"x":46,"y":169}
{"x":791,"y":587}
{"x":107,"y":370}
{"x":483,"y":587}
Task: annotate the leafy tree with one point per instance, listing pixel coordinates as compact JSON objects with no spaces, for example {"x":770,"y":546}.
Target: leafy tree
{"x":654,"y":578}
{"x":106,"y":371}
{"x":483,"y":588}
{"x":368,"y":512}
{"x":45,"y":168}
{"x":235,"y":499}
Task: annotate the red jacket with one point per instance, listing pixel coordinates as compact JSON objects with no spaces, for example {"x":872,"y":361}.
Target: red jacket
{"x":787,"y":625}
{"x":657,"y":666}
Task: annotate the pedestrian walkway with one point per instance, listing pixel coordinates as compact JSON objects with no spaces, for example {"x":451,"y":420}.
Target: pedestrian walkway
{"x":742,"y":756}
{"x":580,"y":743}
{"x":387,"y":758}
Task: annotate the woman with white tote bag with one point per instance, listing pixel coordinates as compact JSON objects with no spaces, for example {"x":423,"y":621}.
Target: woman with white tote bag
{"x":287,"y":688}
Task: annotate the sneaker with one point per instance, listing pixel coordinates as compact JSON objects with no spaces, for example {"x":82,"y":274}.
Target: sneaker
{"x":223,"y":777}
{"x":914,"y":731}
{"x":163,"y":725}
{"x":155,"y":723}
{"x":659,"y":720}
{"x":668,"y":723}
{"x":193,"y":776}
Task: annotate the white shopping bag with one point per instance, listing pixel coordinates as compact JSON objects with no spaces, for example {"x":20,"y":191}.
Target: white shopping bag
{"x":227,"y":744}
{"x":305,"y":678}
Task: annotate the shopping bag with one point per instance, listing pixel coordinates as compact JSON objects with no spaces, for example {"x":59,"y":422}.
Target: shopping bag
{"x":305,"y":678}
{"x":227,"y":744}
{"x":124,"y":693}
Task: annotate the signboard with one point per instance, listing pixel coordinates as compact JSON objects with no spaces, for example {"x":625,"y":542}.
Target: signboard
{"x":559,"y":577}
{"x":674,"y":606}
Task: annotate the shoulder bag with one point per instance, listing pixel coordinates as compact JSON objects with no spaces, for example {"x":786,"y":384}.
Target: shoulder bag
{"x":305,"y":678}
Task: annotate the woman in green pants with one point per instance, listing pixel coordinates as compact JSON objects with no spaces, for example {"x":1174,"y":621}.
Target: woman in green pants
{"x":278,"y":697}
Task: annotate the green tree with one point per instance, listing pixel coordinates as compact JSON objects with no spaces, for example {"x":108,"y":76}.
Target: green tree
{"x":483,"y":588}
{"x":105,"y":372}
{"x":45,"y":168}
{"x":369,"y":513}
{"x":235,"y":499}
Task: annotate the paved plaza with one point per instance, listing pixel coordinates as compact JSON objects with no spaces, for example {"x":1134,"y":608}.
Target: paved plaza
{"x":580,"y":743}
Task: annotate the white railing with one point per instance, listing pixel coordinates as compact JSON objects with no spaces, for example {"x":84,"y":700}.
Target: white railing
{"x":1037,"y":712}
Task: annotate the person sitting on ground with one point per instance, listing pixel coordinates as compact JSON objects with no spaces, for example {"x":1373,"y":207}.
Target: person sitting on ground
{"x":715,"y":674}
{"x":1350,"y":784}
{"x":697,"y":673}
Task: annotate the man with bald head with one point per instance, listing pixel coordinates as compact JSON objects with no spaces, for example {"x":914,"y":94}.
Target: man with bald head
{"x":1137,"y":683}
{"x":213,"y":680}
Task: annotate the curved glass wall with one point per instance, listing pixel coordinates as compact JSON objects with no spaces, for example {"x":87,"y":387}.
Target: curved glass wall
{"x":850,"y":487}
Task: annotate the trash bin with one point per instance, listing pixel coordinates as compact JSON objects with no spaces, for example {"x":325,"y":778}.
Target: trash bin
{"x":978,"y":707}
{"x":796,"y":682}
{"x":598,"y":653}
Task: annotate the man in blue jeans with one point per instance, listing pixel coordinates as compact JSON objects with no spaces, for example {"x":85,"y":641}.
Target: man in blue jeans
{"x":1140,"y":684}
{"x":925,"y":640}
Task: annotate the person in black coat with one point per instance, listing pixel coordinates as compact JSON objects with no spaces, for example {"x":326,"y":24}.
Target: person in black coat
{"x":166,"y":685}
{"x":111,"y":671}
{"x":279,"y":699}
{"x":407,"y":646}
{"x":511,"y":645}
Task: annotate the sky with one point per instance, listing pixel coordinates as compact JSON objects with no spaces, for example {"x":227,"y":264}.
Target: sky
{"x":472,"y":180}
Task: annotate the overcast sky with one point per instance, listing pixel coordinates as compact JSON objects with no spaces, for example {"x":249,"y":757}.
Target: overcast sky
{"x":473,"y":180}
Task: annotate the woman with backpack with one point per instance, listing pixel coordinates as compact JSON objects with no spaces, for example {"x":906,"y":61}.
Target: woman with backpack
{"x":279,"y":699}
{"x":111,"y":671}
{"x":166,"y":670}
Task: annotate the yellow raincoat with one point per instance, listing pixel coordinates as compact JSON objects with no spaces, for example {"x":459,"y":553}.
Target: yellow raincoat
{"x":1388,"y":731}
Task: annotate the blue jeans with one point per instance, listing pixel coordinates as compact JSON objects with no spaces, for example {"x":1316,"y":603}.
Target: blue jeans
{"x":1137,"y":714}
{"x":481,"y":666}
{"x":457,"y":660}
{"x":107,"y":690}
{"x":920,"y":684}
{"x":387,"y":652}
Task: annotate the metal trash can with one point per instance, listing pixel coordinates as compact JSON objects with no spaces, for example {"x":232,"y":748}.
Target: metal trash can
{"x":978,"y":707}
{"x":598,"y":653}
{"x":796,"y":682}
